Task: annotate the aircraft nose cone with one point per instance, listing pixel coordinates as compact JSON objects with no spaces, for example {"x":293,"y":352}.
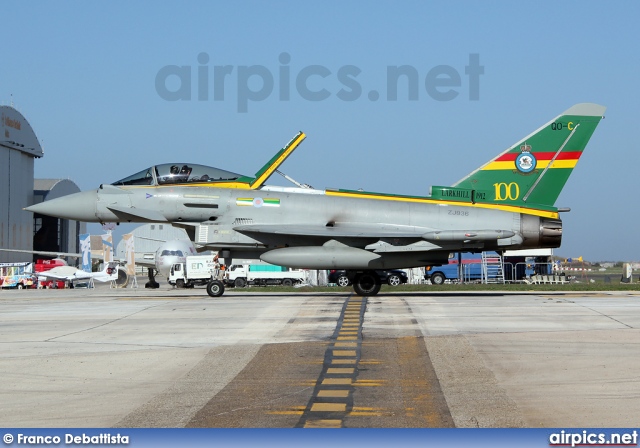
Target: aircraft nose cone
{"x":78,"y":206}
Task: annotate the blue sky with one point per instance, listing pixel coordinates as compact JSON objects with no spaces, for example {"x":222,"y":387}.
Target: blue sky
{"x":84,"y":74}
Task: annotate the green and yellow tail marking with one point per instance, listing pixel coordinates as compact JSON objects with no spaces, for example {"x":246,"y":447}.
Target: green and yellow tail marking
{"x":533,"y":172}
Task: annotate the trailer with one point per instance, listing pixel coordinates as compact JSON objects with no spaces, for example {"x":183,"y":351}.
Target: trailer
{"x":241,"y":275}
{"x":17,"y":275}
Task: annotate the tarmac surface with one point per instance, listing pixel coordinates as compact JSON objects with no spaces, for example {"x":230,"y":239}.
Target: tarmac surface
{"x":178,"y":358}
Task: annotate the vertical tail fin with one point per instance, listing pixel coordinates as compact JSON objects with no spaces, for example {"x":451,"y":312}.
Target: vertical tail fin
{"x":533,"y":171}
{"x":110,"y":271}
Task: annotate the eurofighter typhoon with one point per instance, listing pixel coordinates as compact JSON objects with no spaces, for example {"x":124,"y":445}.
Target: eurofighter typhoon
{"x":506,"y":204}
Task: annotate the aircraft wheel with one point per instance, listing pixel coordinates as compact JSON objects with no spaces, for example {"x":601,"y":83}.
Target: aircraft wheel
{"x":367,"y":284}
{"x":287,"y":282}
{"x":240,"y":282}
{"x":394,"y":280}
{"x":437,"y":279}
{"x":215,"y":288}
{"x":343,"y":280}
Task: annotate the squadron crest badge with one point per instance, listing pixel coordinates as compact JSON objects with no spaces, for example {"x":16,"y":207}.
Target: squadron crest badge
{"x":526,"y":162}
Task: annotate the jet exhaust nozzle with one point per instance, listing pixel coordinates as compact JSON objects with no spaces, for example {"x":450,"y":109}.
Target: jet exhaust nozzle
{"x":551,"y":231}
{"x":541,"y":232}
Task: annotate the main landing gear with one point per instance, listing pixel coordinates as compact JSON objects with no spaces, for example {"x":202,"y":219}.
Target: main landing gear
{"x":152,"y":283}
{"x":366,"y":283}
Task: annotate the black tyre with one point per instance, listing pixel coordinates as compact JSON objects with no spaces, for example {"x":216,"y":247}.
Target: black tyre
{"x":240,"y":282}
{"x":394,"y":280}
{"x":438,"y":278}
{"x":180,"y":283}
{"x":287,"y":282}
{"x":343,"y":280}
{"x":215,"y":288}
{"x":366,"y":284}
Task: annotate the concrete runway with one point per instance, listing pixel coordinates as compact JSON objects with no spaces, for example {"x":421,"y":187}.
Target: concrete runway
{"x":177,"y":358}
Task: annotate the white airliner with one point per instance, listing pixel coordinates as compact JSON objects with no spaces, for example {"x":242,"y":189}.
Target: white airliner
{"x":168,"y":253}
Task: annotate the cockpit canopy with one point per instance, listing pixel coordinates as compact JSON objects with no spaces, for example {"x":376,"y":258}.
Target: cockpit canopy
{"x":177,"y":173}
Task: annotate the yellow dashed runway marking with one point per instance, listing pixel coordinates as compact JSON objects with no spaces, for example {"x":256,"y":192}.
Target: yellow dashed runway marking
{"x":348,"y":388}
{"x":328,"y":407}
{"x":333,"y":393}
{"x":336,"y":381}
{"x":367,"y":412}
{"x":344,"y":353}
{"x":332,"y":400}
{"x":370,"y":383}
{"x":323,"y":423}
{"x":343,"y":361}
{"x":341,"y":370}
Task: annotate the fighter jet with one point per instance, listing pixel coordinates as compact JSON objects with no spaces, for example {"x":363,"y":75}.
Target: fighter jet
{"x":508,"y":203}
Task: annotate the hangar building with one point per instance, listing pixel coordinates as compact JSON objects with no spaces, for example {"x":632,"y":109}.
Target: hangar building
{"x":54,"y":234}
{"x":19,"y":147}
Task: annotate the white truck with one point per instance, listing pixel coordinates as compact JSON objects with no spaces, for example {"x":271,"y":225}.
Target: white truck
{"x":241,"y":275}
{"x":196,"y":270}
